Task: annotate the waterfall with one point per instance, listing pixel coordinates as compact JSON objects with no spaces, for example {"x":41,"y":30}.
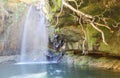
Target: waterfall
{"x":35,"y":37}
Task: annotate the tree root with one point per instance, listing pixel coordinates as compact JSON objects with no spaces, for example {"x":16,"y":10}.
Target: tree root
{"x":88,"y":19}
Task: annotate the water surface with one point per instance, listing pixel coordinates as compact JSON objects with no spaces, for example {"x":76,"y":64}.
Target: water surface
{"x":52,"y":71}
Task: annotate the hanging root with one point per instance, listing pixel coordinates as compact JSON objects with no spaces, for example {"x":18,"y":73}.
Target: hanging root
{"x":84,"y":51}
{"x":103,"y":37}
{"x":84,"y":45}
{"x":77,"y":5}
{"x":88,"y":19}
{"x":59,"y":15}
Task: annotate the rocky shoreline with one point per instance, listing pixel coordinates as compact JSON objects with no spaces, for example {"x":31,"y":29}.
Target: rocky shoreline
{"x":96,"y":62}
{"x":9,"y":59}
{"x":106,"y":63}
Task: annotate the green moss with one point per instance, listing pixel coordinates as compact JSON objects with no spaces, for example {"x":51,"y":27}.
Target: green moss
{"x":108,"y":9}
{"x":92,"y":9}
{"x":113,"y":46}
{"x":91,"y":35}
{"x":56,"y":5}
{"x":82,"y":60}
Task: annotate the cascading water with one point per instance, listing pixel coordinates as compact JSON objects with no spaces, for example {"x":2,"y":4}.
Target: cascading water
{"x":35,"y":37}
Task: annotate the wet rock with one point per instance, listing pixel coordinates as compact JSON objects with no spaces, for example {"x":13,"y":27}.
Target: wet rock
{"x":9,"y":59}
{"x":101,"y":62}
{"x":8,"y":62}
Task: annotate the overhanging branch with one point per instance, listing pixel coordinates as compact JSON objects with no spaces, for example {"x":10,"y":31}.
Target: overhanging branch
{"x":75,"y":10}
{"x":88,"y":19}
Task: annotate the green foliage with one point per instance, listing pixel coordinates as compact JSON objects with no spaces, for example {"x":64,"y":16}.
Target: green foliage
{"x":57,"y":30}
{"x":4,"y":1}
{"x":101,"y":9}
{"x":56,"y":5}
{"x":59,"y":3}
{"x":92,"y":9}
{"x":20,"y":9}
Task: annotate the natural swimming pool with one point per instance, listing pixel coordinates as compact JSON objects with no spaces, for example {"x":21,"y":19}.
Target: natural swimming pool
{"x":54,"y":70}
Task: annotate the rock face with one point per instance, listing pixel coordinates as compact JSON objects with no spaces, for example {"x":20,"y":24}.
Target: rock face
{"x":9,"y":59}
{"x":74,"y":38}
{"x":99,"y":62}
{"x":71,"y":30}
{"x":12,"y":19}
{"x":11,"y":26}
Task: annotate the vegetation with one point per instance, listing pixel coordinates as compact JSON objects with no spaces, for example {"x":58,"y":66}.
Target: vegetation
{"x":93,"y":24}
{"x":98,"y":19}
{"x":10,"y":13}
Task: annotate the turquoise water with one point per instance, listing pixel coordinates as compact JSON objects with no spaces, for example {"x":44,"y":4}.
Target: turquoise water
{"x":52,"y":71}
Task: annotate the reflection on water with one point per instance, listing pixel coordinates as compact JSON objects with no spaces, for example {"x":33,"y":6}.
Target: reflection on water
{"x":54,"y":70}
{"x":39,"y":75}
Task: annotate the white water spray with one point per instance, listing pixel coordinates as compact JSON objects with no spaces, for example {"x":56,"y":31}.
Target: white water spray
{"x":35,"y":37}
